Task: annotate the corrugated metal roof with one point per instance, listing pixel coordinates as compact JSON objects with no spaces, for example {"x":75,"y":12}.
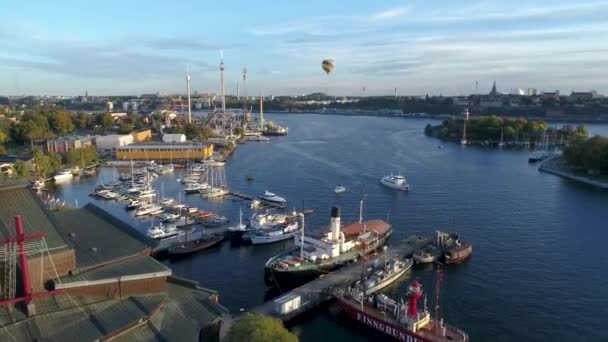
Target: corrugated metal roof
{"x":98,"y":237}
{"x":16,"y":198}
{"x":140,"y":265}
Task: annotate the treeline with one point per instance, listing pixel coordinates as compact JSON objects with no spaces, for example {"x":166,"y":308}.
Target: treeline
{"x":45,"y":122}
{"x":192,"y":131}
{"x":492,"y":127}
{"x":588,"y":154}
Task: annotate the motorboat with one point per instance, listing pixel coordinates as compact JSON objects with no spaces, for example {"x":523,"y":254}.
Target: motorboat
{"x":427,"y":255}
{"x":339,"y":189}
{"x":397,"y":182}
{"x":148,"y":209}
{"x":162,"y":232}
{"x":133,"y":204}
{"x":277,"y":233}
{"x":63,"y":175}
{"x":145,"y":194}
{"x":215,"y":221}
{"x":192,"y":188}
{"x":257,"y":138}
{"x":169,"y":217}
{"x":272,"y":197}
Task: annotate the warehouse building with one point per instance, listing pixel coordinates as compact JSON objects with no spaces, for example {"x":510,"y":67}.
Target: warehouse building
{"x":165,"y":152}
{"x":93,"y":281}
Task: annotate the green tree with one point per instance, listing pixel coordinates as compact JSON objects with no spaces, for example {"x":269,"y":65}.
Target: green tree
{"x":21,"y":170}
{"x":125,"y":128}
{"x":259,"y":328}
{"x":79,"y":156}
{"x":83,"y":120}
{"x":106,"y":121}
{"x":61,"y":123}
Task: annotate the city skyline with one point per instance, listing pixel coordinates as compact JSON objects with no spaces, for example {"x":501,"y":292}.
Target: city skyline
{"x":114,"y":48}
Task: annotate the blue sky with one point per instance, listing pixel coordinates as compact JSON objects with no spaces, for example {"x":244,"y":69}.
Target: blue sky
{"x":419,"y":47}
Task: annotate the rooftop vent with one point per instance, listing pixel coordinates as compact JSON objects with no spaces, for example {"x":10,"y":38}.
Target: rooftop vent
{"x":93,"y":249}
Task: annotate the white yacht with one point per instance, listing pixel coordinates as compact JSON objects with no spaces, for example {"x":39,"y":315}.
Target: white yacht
{"x":257,"y":138}
{"x":162,"y":232}
{"x":63,"y":175}
{"x":272,"y":197}
{"x":193,"y":188}
{"x":169,"y":217}
{"x":239,"y":229}
{"x":396,"y":182}
{"x":277,"y":233}
{"x":339,"y":189}
{"x":145,"y":194}
{"x":148,"y":209}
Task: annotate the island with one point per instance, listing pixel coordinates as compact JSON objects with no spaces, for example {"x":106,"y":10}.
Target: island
{"x":494,"y":130}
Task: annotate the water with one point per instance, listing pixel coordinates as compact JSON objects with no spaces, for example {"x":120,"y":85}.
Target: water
{"x":538,"y":268}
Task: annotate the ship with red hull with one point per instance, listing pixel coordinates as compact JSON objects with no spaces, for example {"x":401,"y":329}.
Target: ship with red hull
{"x":401,"y":321}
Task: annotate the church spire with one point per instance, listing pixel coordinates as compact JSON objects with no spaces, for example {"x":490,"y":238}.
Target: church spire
{"x":494,"y":91}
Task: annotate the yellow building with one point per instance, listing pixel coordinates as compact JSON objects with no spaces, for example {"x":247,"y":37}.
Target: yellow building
{"x":165,"y":152}
{"x":142,"y":135}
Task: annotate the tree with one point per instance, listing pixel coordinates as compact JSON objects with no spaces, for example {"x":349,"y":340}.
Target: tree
{"x":83,"y":120}
{"x":20,"y":169}
{"x":106,"y":121}
{"x":61,"y":123}
{"x":259,"y":328}
{"x":125,"y":128}
{"x":79,"y":156}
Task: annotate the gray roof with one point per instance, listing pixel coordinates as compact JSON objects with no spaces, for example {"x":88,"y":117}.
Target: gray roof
{"x":140,"y":266}
{"x":178,"y":315}
{"x":17,"y":198}
{"x":98,"y":237}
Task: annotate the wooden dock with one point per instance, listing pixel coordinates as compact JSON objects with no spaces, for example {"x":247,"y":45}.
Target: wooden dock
{"x":324,"y":288}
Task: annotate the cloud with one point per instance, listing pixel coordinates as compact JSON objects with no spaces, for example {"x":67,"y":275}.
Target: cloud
{"x":287,"y":28}
{"x":390,"y":14}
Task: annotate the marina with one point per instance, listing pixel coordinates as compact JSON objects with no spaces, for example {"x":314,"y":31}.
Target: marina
{"x":444,"y":200}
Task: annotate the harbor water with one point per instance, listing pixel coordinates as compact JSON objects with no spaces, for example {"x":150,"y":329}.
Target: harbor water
{"x":538,"y":270}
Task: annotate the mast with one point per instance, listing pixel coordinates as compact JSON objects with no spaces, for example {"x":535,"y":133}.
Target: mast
{"x":244,"y":91}
{"x":302,"y":238}
{"x":438,"y":278}
{"x":223,"y":97}
{"x":463,"y":141}
{"x":189,"y":104}
{"x":261,"y":111}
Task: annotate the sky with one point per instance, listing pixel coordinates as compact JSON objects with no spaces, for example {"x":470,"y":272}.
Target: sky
{"x":419,"y":47}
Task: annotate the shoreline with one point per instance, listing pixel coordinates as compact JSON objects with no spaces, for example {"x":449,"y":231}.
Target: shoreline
{"x":380,"y":113}
{"x":553,"y":165}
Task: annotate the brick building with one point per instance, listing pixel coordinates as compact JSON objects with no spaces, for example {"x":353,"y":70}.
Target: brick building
{"x":95,"y":280}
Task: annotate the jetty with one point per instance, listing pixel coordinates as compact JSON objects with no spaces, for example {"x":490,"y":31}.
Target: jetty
{"x":557,"y":166}
{"x":325,"y":287}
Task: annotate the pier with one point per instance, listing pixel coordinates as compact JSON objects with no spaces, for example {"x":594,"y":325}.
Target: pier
{"x":324,"y":288}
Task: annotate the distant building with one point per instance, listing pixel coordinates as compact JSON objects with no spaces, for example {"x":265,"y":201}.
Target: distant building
{"x":125,"y":106}
{"x":174,"y":138}
{"x":576,"y":96}
{"x":551,"y":95}
{"x":111,"y":142}
{"x":142,"y":135}
{"x":109,"y":106}
{"x":165,"y":152}
{"x":134,"y":106}
{"x":62,"y":145}
{"x":461,"y":100}
{"x":531,"y":92}
{"x":494,"y":91}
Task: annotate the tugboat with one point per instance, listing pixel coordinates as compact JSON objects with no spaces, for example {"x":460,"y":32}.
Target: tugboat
{"x":312,"y":257}
{"x":401,"y":321}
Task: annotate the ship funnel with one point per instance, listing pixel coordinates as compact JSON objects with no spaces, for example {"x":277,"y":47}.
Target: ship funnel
{"x":335,"y":223}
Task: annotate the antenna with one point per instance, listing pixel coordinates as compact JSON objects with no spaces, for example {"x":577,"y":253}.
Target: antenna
{"x":361,"y":205}
{"x":222,"y":95}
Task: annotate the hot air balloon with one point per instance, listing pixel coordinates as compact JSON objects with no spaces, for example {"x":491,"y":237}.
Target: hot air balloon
{"x":328,"y":65}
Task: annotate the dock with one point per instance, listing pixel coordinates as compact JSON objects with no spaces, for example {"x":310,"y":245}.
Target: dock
{"x":324,"y":288}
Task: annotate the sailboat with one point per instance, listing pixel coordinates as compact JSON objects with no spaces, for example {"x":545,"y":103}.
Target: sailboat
{"x":217,"y":185}
{"x":189,"y":247}
{"x":236,"y":232}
